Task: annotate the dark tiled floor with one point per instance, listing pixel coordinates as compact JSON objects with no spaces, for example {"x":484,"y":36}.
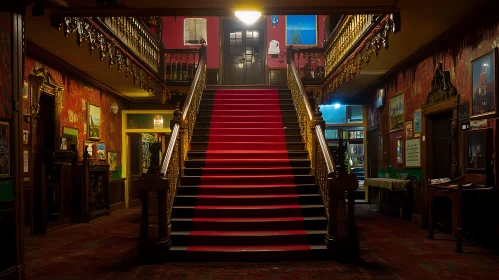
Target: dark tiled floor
{"x":390,"y":249}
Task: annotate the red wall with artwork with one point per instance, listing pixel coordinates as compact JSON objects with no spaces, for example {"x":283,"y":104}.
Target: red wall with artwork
{"x":278,"y":33}
{"x":5,"y":66}
{"x":173,"y":37}
{"x":415,"y":81}
{"x":74,"y":108}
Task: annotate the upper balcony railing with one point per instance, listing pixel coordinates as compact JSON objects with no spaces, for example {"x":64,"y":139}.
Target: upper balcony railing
{"x":137,"y":37}
{"x":181,"y":64}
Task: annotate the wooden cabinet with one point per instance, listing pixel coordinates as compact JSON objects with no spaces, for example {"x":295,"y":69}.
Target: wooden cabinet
{"x":90,"y":191}
{"x":116,"y":194}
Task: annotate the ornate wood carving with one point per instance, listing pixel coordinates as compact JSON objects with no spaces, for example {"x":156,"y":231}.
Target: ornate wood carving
{"x":88,"y":31}
{"x":442,"y":88}
{"x":42,"y":81}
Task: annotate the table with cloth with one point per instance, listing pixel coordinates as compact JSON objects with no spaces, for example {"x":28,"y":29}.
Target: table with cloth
{"x":398,"y":188}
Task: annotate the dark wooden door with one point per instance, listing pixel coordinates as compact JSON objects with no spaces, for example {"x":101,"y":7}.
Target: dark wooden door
{"x":442,"y":141}
{"x":372,"y":153}
{"x":135,"y":152}
{"x":243,"y":52}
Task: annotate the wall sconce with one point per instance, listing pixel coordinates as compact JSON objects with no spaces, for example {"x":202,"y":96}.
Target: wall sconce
{"x":158,"y":122}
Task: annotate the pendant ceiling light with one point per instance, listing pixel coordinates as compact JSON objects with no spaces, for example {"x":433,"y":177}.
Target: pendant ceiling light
{"x":248,"y":17}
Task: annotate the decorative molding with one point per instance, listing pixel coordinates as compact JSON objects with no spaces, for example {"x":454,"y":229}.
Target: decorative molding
{"x":371,"y":45}
{"x":88,"y":31}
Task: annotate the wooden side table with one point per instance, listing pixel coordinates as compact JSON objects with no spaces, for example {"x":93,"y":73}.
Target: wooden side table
{"x":454,"y":191}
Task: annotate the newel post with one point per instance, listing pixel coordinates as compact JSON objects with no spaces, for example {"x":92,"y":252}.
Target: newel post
{"x":342,"y":238}
{"x":290,"y":56}
{"x":317,"y":120}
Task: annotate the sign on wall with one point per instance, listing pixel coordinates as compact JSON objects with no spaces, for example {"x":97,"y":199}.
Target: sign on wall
{"x":413,"y":152}
{"x":195,"y":31}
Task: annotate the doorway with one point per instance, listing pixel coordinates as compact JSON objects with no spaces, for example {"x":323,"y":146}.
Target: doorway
{"x":372,"y":152}
{"x":243,"y":52}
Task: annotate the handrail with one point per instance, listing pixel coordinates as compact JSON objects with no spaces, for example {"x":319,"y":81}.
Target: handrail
{"x":327,"y":154}
{"x":169,"y":150}
{"x":301,"y":91}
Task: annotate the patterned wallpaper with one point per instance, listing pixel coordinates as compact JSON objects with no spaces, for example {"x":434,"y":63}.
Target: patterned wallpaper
{"x":415,"y":82}
{"x":74,"y":112}
{"x":5,"y":66}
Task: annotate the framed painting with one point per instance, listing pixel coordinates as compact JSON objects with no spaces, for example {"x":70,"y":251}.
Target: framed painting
{"x":397,"y":112}
{"x":113,"y":160}
{"x":195,"y":31}
{"x":301,"y":30}
{"x":408,"y":129}
{"x":4,"y":149}
{"x":71,"y":135}
{"x":399,"y":149}
{"x":417,"y":122}
{"x":101,"y":151}
{"x":93,"y":120}
{"x":90,"y":146}
{"x":25,"y":90}
{"x":483,"y":101}
{"x":380,"y":98}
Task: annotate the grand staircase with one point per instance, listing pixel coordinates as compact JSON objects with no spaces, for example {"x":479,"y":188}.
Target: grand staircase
{"x":247,"y":193}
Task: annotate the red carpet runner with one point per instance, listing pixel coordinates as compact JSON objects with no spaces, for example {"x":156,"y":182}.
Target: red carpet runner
{"x":246,"y":196}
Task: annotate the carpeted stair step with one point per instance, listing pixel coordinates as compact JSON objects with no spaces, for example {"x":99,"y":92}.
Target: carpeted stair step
{"x":247,"y":180}
{"x":246,"y":171}
{"x":248,"y":253}
{"x":236,"y":118}
{"x":282,"y":223}
{"x":248,"y":154}
{"x":243,"y":131}
{"x":237,"y":146}
{"x":261,"y":106}
{"x":247,"y":200}
{"x":258,"y":211}
{"x":247,"y":238}
{"x":197,"y":163}
{"x":237,"y":101}
{"x":247,"y":189}
{"x":255,"y":113}
{"x":253,"y":125}
{"x":245,"y":138}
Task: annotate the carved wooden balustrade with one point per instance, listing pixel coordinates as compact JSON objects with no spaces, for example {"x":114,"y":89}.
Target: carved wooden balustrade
{"x":310,"y":64}
{"x":158,"y":190}
{"x":180,"y":64}
{"x":333,"y":180}
{"x":137,"y":36}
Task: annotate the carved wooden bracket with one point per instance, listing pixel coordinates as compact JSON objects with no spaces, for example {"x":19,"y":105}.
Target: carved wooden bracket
{"x":42,"y":81}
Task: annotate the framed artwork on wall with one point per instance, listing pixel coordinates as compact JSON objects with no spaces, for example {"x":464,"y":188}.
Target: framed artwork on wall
{"x":71,"y":135}
{"x":483,"y":101}
{"x":408,"y":129}
{"x":397,"y":112}
{"x":113,"y":160}
{"x":25,"y":90}
{"x":417,"y":122}
{"x":195,"y":31}
{"x":93,"y":126}
{"x":399,"y":149}
{"x":90,"y":148}
{"x":380,"y":98}
{"x":101,"y":151}
{"x":4,"y":149}
{"x":301,"y":30}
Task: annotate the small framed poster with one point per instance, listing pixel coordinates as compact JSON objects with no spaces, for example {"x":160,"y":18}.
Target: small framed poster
{"x":4,"y":149}
{"x":413,"y":152}
{"x":399,"y":150}
{"x":417,"y":122}
{"x":90,"y":148}
{"x":101,"y":151}
{"x":408,"y":129}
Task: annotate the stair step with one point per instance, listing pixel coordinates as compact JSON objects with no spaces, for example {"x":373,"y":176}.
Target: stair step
{"x":282,"y":223}
{"x":255,"y":126}
{"x":247,"y":189}
{"x":247,"y":211}
{"x":262,"y":106}
{"x":236,"y":118}
{"x":247,"y":200}
{"x":243,"y":131}
{"x":249,"y":154}
{"x":244,"y":146}
{"x":196,"y":163}
{"x":247,"y":138}
{"x":255,"y":100}
{"x":256,"y":113}
{"x":247,"y":171}
{"x":247,"y":179}
{"x":247,"y":238}
{"x":248,"y":253}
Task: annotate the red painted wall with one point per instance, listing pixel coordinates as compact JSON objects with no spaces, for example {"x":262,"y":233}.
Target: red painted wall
{"x":74,"y":113}
{"x":278,"y":33}
{"x":173,"y":37}
{"x":415,"y":82}
{"x":5,"y":66}
{"x":173,"y":28}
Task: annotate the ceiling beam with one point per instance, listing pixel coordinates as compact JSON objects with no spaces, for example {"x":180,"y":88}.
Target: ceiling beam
{"x":129,"y":12}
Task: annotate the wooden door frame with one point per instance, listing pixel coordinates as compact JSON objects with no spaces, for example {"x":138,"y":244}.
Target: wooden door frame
{"x":427,"y":113}
{"x":265,"y":47}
